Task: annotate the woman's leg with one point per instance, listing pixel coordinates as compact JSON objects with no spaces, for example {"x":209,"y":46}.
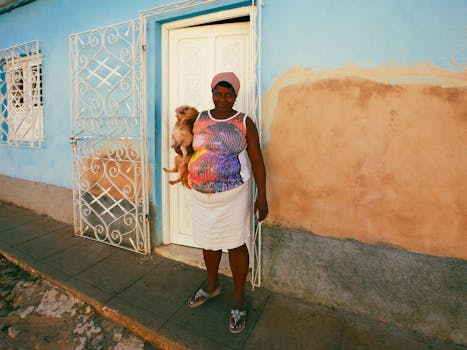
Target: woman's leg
{"x":239,"y":260}
{"x":212,"y":259}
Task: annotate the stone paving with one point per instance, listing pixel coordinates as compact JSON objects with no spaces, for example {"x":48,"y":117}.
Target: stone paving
{"x":35,"y":314}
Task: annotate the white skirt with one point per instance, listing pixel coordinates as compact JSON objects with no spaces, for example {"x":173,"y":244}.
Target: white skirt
{"x":222,"y":220}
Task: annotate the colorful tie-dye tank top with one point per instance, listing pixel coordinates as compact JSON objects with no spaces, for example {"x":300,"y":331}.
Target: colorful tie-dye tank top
{"x":219,"y":162}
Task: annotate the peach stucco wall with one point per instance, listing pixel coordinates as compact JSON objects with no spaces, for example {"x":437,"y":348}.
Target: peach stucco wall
{"x":375,"y":155}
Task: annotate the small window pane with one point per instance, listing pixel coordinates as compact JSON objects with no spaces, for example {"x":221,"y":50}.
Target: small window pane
{"x":17,"y":88}
{"x":36,"y":85}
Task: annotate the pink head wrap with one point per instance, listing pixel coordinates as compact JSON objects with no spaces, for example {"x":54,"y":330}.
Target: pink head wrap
{"x":229,"y":77}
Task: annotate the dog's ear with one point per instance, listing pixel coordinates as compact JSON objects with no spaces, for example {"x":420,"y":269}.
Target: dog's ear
{"x":181,"y":109}
{"x":193,"y":113}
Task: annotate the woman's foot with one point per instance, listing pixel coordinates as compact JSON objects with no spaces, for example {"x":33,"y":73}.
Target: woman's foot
{"x":201,"y":296}
{"x":237,"y":322}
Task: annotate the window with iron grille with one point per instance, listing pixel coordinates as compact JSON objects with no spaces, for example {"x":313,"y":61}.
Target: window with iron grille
{"x":21,"y":95}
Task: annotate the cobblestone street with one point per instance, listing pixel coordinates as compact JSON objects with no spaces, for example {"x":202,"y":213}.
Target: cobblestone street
{"x":35,"y":314}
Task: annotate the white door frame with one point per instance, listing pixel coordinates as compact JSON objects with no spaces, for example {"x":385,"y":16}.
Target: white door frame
{"x":199,"y":20}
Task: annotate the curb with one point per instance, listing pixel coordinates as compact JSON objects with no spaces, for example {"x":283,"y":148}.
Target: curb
{"x":142,"y":331}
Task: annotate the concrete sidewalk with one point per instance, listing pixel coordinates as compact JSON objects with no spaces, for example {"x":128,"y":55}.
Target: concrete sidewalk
{"x":148,"y":294}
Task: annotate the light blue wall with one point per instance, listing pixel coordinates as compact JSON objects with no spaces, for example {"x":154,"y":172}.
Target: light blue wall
{"x":367,"y":33}
{"x":51,"y":22}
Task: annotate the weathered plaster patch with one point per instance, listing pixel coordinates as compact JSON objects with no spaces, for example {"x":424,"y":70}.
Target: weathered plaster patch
{"x":359,"y":158}
{"x":392,"y":73}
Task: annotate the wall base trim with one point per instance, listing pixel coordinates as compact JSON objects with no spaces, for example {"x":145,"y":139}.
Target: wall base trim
{"x":53,"y":201}
{"x":416,"y":291}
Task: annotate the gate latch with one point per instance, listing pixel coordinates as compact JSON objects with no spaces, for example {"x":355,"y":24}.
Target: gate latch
{"x":74,"y":140}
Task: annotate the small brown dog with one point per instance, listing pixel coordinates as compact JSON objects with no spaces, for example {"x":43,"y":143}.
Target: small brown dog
{"x":182,"y":137}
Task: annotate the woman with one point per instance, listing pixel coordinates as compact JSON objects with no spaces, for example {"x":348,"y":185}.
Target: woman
{"x":219,"y":176}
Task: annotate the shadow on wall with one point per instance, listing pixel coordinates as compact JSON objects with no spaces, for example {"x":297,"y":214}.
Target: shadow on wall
{"x":359,"y":158}
{"x":113,"y":170}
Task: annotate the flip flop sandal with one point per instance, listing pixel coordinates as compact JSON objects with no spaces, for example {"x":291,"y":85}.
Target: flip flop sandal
{"x":237,"y":321}
{"x":201,"y":296}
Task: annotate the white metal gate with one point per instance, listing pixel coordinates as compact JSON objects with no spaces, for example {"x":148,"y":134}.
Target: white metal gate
{"x":110,"y":191}
{"x":255,"y":36}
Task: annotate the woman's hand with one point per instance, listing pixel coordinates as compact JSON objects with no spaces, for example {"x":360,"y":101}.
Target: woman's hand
{"x":261,"y":209}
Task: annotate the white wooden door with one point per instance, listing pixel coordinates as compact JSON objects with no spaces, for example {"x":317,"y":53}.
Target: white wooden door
{"x":196,"y":54}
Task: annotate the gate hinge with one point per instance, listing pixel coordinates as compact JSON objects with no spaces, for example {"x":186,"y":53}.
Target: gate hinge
{"x":146,"y":217}
{"x":143,"y":46}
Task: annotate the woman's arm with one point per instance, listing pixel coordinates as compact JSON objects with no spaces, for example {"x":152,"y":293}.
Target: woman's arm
{"x":258,"y":169}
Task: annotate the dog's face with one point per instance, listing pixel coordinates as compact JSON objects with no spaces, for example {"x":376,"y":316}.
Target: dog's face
{"x":186,"y":112}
